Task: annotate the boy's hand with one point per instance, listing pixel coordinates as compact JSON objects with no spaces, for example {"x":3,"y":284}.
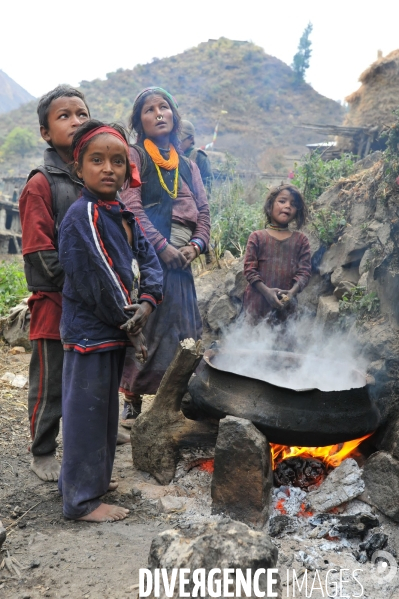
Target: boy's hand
{"x":272,"y":296}
{"x":140,"y":345}
{"x":173,"y":258}
{"x":135,"y":324}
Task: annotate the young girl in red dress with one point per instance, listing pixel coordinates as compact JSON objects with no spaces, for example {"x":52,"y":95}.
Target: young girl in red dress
{"x":277,"y":260}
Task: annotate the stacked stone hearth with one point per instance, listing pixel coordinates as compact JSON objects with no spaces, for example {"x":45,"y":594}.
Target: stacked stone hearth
{"x":365,"y":255}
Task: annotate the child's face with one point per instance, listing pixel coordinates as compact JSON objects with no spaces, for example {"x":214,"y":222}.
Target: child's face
{"x":284,"y":209}
{"x":156,"y":117}
{"x":64,"y":117}
{"x":104,"y":166}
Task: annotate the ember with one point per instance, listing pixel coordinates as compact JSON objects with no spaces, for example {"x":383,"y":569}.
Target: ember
{"x":300,"y":472}
{"x":330,"y":455}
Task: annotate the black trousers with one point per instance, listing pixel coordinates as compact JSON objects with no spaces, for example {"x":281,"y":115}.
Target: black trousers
{"x":45,"y":392}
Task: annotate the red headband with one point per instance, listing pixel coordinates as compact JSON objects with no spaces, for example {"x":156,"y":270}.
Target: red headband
{"x":135,"y":177}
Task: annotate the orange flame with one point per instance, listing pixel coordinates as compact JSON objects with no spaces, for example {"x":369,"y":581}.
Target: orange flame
{"x":207,"y":465}
{"x":331,"y":455}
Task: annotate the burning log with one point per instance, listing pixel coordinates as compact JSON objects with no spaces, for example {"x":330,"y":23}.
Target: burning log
{"x":300,"y":472}
{"x":159,"y":432}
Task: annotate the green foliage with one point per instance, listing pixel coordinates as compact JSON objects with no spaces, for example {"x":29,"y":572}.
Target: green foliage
{"x":300,"y":62}
{"x":313,"y":175}
{"x":233,"y":219}
{"x":19,"y":141}
{"x":359,"y":303}
{"x":328,"y":224}
{"x":12,"y":285}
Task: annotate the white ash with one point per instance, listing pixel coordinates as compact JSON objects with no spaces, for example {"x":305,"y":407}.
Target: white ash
{"x":293,"y":499}
{"x":190,"y":458}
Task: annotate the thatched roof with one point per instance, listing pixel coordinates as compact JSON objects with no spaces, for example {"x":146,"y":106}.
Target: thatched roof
{"x":372,"y":104}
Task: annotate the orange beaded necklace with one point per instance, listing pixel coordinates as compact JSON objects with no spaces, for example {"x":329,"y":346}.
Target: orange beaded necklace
{"x":169,"y":165}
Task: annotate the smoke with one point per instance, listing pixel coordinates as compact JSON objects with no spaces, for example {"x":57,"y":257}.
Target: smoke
{"x":309,"y":358}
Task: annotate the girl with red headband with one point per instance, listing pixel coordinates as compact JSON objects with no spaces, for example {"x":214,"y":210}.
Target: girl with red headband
{"x":173,"y":209}
{"x":103,"y":253}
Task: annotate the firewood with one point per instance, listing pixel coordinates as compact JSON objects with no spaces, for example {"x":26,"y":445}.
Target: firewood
{"x":158,"y":433}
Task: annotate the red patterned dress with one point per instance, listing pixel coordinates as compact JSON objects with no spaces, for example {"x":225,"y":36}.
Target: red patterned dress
{"x":278,"y":264}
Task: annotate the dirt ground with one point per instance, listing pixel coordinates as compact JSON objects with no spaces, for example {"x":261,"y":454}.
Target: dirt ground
{"x":57,"y":557}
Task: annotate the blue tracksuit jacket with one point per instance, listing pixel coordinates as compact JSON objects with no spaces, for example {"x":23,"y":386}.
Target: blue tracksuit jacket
{"x":98,"y":263}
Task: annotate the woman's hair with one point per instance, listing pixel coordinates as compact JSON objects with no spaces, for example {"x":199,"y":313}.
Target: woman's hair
{"x":135,"y":118}
{"x":88,"y":126}
{"x":302,"y":210}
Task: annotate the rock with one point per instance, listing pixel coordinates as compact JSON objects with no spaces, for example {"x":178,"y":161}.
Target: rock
{"x":17,"y":325}
{"x":3,"y":534}
{"x":223,"y":544}
{"x":346,"y":252}
{"x":357,"y":525}
{"x":317,"y":287}
{"x":375,"y":543}
{"x":278,"y":524}
{"x":381,"y":476}
{"x":366,"y":261}
{"x":343,"y":287}
{"x":17,"y":350}
{"x":389,"y":438}
{"x":169,"y":504}
{"x":342,"y":484}
{"x":236,"y":283}
{"x":221,"y":312}
{"x":351,"y":275}
{"x":242,"y":478}
{"x":327,"y":312}
{"x":8,"y":377}
{"x":19,"y":381}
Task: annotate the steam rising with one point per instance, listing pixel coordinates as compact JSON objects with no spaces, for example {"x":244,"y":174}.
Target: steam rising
{"x":325,"y":361}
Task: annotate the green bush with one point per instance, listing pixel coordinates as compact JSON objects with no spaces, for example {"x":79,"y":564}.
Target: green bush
{"x":363,"y":305}
{"x":12,"y":285}
{"x":232,"y":217}
{"x":327,"y":224}
{"x":313,"y":175}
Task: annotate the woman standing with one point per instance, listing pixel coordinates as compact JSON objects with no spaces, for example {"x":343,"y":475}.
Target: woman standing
{"x":173,"y":210}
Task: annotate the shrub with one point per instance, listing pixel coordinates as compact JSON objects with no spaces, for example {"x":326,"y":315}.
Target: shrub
{"x":327,"y":224}
{"x":313,"y":175}
{"x":363,"y":305}
{"x":12,"y":285}
{"x":233,"y":219}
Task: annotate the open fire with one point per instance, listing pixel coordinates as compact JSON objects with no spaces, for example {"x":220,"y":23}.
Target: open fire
{"x":330,"y":455}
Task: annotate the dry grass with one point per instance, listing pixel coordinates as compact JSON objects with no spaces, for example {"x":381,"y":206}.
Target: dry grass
{"x":372,"y":104}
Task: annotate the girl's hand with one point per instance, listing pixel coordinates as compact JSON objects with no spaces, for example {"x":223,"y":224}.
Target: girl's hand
{"x":173,"y":258}
{"x":135,"y":324}
{"x":271,"y":296}
{"x":189,"y":252}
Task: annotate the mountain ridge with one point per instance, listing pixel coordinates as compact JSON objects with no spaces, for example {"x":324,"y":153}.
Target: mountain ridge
{"x":12,"y":95}
{"x":258,"y":92}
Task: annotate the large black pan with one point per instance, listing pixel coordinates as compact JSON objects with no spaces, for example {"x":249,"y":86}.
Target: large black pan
{"x":307,"y":417}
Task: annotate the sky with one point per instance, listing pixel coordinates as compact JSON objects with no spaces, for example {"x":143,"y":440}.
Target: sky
{"x":44,"y":43}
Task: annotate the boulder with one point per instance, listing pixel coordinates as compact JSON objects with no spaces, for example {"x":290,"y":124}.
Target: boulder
{"x":327,"y":312}
{"x":381,"y":477}
{"x":346,"y":252}
{"x":345,"y":274}
{"x":222,"y":544}
{"x":221,"y":312}
{"x":242,"y":478}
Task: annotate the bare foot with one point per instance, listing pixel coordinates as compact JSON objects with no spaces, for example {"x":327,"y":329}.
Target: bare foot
{"x":106,"y":513}
{"x":112,"y":485}
{"x":46,"y":467}
{"x":122,"y":438}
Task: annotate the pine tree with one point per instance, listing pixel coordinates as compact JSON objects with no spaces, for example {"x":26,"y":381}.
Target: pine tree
{"x":301,"y":59}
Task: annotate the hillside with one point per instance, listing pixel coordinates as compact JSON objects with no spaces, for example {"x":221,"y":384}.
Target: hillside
{"x":257,"y":91}
{"x":12,"y":95}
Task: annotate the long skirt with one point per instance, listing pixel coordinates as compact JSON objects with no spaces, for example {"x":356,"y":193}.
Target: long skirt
{"x":177,"y":318}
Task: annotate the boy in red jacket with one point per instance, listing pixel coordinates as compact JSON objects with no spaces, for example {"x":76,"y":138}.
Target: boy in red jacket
{"x":51,"y":189}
